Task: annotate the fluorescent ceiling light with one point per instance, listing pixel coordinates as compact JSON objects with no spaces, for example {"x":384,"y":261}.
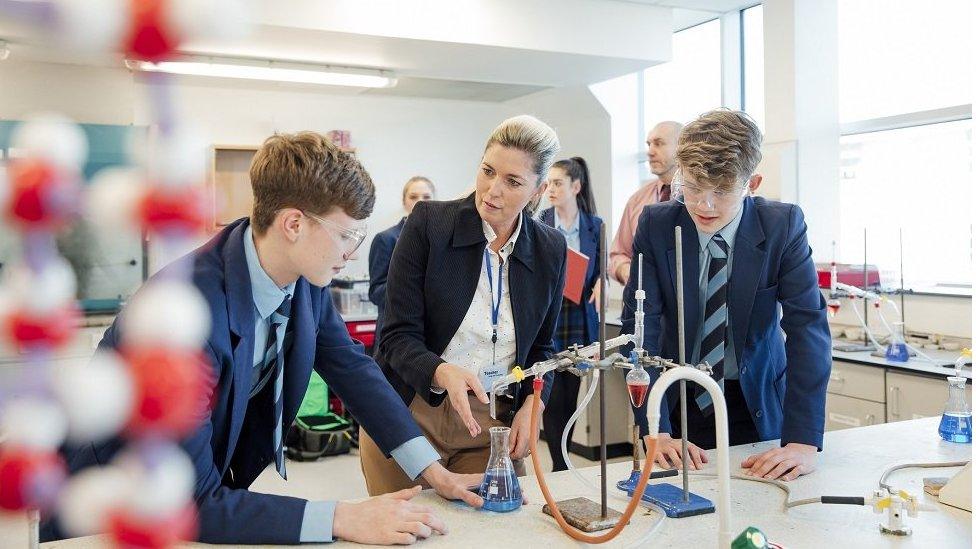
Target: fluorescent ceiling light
{"x":221,"y":67}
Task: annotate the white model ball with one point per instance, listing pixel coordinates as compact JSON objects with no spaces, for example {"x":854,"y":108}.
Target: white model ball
{"x":92,"y":25}
{"x":178,"y":158}
{"x":96,"y":396}
{"x":167,"y":313}
{"x":89,"y":498}
{"x":54,"y":138}
{"x":112,"y":198}
{"x":162,"y":481}
{"x":33,"y":422}
{"x":44,"y":291}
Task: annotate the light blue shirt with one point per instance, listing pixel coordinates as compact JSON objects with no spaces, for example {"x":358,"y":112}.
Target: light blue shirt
{"x":572,"y":233}
{"x":413,"y":456}
{"x":728,"y":233}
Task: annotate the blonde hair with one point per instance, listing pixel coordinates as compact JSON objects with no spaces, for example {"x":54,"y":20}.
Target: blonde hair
{"x":721,"y":149}
{"x":414,"y":179}
{"x":531,"y":136}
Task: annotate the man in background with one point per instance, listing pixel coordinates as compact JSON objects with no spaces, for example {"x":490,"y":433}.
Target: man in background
{"x":661,"y":145}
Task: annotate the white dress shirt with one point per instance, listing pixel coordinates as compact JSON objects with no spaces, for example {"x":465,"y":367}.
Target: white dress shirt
{"x":471,"y":345}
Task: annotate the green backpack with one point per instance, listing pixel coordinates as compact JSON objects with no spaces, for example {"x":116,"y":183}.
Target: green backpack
{"x":317,"y":430}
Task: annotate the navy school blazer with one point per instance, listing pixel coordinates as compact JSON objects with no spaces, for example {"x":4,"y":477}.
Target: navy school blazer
{"x":590,"y":247}
{"x":784,"y":382}
{"x":229,"y":513}
{"x":380,"y":253}
{"x":433,"y":276}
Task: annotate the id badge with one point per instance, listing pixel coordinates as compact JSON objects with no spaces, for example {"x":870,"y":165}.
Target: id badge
{"x":490,"y":374}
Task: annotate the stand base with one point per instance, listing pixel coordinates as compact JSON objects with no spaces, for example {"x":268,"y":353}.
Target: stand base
{"x":852,"y":347}
{"x":584,"y":514}
{"x":670,"y":498}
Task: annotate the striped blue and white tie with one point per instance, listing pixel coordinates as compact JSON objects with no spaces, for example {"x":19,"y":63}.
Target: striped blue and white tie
{"x":278,"y":318}
{"x":716,"y":316}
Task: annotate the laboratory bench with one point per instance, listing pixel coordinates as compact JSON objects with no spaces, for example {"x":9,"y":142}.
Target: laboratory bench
{"x":850,"y":465}
{"x":865,"y":389}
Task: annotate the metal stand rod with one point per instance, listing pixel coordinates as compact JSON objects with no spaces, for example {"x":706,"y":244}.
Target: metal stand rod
{"x":867,"y":327}
{"x":603,"y":355}
{"x":901,"y":271}
{"x":680,"y":293}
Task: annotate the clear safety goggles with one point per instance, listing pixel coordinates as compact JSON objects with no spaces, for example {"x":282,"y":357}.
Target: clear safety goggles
{"x":711,"y":199}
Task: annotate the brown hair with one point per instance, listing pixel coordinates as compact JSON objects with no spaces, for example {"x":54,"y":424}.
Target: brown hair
{"x":306,"y":171}
{"x":414,"y":179}
{"x":720,"y":149}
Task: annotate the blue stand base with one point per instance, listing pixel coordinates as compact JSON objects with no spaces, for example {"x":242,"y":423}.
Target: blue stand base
{"x":668,"y":497}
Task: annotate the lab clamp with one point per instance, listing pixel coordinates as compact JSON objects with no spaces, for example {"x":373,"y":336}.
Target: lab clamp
{"x":582,"y":515}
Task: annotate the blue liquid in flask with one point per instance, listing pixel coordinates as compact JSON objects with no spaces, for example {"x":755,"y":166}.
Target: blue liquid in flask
{"x":897,"y":352}
{"x":957,"y":428}
{"x":501,"y":490}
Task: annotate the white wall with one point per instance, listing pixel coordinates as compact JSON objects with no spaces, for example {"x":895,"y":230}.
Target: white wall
{"x":395,"y":137}
{"x":583,"y":127}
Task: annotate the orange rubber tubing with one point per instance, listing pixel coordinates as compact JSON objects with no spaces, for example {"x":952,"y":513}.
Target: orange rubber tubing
{"x":651,"y":443}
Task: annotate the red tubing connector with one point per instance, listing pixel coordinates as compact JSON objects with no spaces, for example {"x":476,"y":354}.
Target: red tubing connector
{"x":651,"y":443}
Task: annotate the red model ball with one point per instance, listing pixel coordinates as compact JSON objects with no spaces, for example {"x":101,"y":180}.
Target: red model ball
{"x":29,"y":479}
{"x":40,"y":196}
{"x":36,"y":331}
{"x":171,"y":391}
{"x":130,"y":530}
{"x":151,"y":34}
{"x":174,"y":210}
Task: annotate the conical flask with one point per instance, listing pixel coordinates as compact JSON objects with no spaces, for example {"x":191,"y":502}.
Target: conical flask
{"x":897,"y":351}
{"x":638,"y":382}
{"x":957,"y":419}
{"x":500,"y":487}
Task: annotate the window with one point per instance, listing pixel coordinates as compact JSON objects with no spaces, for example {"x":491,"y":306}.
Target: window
{"x":691,"y":83}
{"x":917,"y":180}
{"x":898,"y":56}
{"x":905,"y":79}
{"x":753,"y":73}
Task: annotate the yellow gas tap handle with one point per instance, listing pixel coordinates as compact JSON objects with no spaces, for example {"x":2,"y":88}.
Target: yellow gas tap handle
{"x":518,"y":373}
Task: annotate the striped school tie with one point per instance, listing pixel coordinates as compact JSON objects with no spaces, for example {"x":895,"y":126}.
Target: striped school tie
{"x":716,"y":317}
{"x":279,"y":317}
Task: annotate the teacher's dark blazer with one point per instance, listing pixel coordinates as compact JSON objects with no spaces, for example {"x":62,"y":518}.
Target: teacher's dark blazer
{"x":590,"y":247}
{"x":784,"y":381}
{"x":433,"y":277}
{"x":229,"y":450}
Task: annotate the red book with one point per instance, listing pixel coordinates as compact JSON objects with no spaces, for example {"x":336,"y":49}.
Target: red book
{"x":576,"y":264}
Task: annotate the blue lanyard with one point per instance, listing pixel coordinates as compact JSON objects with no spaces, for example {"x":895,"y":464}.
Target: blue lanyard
{"x":496,"y":304}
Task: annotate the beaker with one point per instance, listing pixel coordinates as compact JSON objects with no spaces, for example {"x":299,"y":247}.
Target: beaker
{"x":957,"y":419}
{"x":638,"y":383}
{"x":500,"y":488}
{"x":897,"y":351}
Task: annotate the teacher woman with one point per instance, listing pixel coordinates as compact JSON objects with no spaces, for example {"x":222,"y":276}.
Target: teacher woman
{"x":474,"y":288}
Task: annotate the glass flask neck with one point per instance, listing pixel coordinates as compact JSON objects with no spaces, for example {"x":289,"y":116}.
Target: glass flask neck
{"x":499,"y":442}
{"x":898,"y":332}
{"x":957,"y":402}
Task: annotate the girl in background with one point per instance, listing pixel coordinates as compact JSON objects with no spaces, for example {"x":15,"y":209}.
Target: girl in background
{"x":573,"y":213}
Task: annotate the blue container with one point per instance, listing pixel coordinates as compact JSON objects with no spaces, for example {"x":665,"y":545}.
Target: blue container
{"x":957,"y":428}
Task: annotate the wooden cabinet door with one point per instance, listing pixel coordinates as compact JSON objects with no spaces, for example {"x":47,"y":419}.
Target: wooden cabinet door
{"x":844,"y":412}
{"x":913,"y":397}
